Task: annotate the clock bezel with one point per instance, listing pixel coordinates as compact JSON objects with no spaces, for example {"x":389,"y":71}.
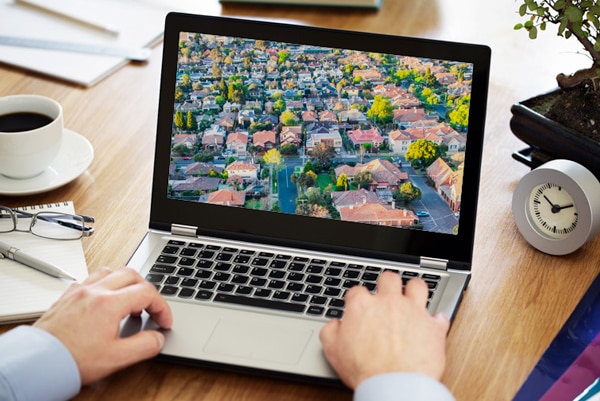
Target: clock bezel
{"x":583,"y":187}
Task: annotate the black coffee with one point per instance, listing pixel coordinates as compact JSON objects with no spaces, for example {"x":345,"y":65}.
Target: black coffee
{"x":23,"y":121}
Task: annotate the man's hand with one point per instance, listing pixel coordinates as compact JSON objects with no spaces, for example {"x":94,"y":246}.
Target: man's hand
{"x":386,"y":332}
{"x":86,"y":319}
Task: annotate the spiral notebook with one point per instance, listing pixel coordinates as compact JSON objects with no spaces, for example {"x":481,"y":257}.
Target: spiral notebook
{"x":25,"y":293}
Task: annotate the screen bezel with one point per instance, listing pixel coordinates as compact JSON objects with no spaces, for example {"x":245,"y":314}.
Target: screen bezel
{"x":309,"y":232}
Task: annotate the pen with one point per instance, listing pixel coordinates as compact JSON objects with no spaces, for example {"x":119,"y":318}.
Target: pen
{"x":13,"y":253}
{"x":49,"y":7}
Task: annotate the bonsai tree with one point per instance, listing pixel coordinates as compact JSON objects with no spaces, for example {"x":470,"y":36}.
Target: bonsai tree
{"x":574,"y":18}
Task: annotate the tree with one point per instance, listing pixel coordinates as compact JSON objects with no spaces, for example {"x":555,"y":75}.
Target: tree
{"x":288,"y":118}
{"x":407,"y":193}
{"x":273,"y":158}
{"x":423,"y":151}
{"x":574,"y":18}
{"x":363,"y":179}
{"x":322,"y":155}
{"x":179,"y":119}
{"x":381,"y":110}
{"x":190,"y":122}
{"x":342,"y":182}
{"x":288,"y":149}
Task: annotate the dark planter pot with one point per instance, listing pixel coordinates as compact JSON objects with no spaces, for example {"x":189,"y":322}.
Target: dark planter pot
{"x":548,"y":140}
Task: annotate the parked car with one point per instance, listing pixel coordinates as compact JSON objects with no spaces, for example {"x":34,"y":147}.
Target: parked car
{"x":422,"y":213}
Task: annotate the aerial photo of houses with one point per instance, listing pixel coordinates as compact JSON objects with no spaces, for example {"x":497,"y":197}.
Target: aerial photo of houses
{"x":332,"y":133}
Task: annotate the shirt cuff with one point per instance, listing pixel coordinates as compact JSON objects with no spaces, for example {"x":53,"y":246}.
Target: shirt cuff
{"x":401,"y":386}
{"x":36,"y":365}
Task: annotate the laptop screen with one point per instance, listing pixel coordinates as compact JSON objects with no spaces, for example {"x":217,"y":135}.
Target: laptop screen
{"x":270,"y":123}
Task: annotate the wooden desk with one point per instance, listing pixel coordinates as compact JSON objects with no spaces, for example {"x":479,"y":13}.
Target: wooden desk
{"x":518,"y":298}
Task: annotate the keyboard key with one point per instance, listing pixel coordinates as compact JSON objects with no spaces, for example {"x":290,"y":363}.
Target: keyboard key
{"x":332,"y":282}
{"x":317,"y":300}
{"x":154,"y":278}
{"x":169,"y":290}
{"x":241,"y":269}
{"x":313,"y":279}
{"x":243,"y":290}
{"x":222,"y":267}
{"x":189,"y":282}
{"x":241,"y":259}
{"x":334,"y":313}
{"x":259,"y":272}
{"x":187,"y":262}
{"x":281,"y":295}
{"x":240,"y":279}
{"x":185,"y":271}
{"x":203,"y":274}
{"x":166,"y":259}
{"x":189,"y":252}
{"x":333,"y":272}
{"x":260,"y":262}
{"x":175,"y":242}
{"x":299,"y":297}
{"x":225,"y":287}
{"x":431,"y":277}
{"x":170,"y":250}
{"x":258,"y":282}
{"x":204,"y":264}
{"x":296,"y":287}
{"x":260,"y":303}
{"x":186,"y":293}
{"x":203,"y":295}
{"x":315,"y":310}
{"x":262,"y":292}
{"x":332,"y":292}
{"x":162,"y":269}
{"x":207,"y":285}
{"x":172,"y":280}
{"x":276,"y":284}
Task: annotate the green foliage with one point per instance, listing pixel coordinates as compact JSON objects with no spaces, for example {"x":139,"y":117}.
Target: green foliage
{"x":381,"y":110}
{"x":573,"y":18}
{"x":407,"y":193}
{"x":288,"y":118}
{"x":423,"y":151}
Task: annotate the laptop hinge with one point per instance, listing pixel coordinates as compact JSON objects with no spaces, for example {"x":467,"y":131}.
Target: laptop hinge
{"x":432,"y":263}
{"x":180,"y":229}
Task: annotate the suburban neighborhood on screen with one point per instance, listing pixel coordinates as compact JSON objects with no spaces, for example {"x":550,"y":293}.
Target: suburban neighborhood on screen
{"x":331,"y":133}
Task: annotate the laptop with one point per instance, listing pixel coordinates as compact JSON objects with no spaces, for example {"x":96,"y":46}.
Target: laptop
{"x":294,"y":162}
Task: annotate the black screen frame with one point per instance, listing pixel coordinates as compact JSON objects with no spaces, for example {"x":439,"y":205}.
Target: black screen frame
{"x":389,"y":243}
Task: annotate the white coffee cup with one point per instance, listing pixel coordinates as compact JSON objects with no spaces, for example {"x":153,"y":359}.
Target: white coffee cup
{"x":28,"y":142}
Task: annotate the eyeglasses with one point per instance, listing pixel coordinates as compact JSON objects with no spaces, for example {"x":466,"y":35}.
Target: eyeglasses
{"x":52,"y":225}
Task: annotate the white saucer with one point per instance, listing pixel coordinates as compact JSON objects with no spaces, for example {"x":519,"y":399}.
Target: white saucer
{"x":74,"y":157}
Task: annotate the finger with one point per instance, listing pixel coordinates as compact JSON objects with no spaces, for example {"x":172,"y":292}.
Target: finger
{"x":138,"y":347}
{"x":328,"y":333}
{"x":121,"y":278}
{"x":416,"y":290}
{"x":97,"y":275}
{"x":389,"y":283}
{"x":443,"y":321}
{"x":143,"y":296}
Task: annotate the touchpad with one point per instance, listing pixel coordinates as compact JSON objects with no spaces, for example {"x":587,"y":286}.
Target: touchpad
{"x":263,"y":340}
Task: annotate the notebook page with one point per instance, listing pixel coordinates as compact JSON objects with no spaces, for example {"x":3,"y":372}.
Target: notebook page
{"x":139,"y":24}
{"x":26,"y":293}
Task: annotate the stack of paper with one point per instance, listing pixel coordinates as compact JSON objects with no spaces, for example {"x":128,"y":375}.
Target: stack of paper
{"x":139,"y":25}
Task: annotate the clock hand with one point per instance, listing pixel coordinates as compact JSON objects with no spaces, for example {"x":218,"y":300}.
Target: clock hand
{"x":549,"y":201}
{"x":565,"y":207}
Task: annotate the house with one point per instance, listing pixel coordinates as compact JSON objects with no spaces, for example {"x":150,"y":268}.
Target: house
{"x":244,"y":169}
{"x":386,"y":177}
{"x":378,"y":214}
{"x":187,"y":140}
{"x":359,"y":137}
{"x":227,"y":197}
{"x":237,"y":142}
{"x":361,"y":196}
{"x":200,"y":169}
{"x":246,"y":117}
{"x":353,"y":116}
{"x":331,"y":137}
{"x":264,"y":140}
{"x":291,"y":135}
{"x":199,"y":184}
{"x":399,"y":141}
{"x":448,"y":183}
{"x":406,"y":118}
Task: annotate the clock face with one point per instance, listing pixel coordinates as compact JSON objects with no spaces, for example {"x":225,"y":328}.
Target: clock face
{"x":552,"y":210}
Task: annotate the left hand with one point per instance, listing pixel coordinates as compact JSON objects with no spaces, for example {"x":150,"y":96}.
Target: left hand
{"x":86,"y":319}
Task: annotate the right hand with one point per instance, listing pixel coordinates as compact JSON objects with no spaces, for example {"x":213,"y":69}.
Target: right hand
{"x":386,"y":332}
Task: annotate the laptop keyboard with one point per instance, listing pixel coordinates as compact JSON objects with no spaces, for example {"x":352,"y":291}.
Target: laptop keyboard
{"x":283,"y":282}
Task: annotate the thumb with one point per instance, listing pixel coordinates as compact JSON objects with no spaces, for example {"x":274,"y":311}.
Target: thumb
{"x":141,"y":346}
{"x":443,"y":322}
